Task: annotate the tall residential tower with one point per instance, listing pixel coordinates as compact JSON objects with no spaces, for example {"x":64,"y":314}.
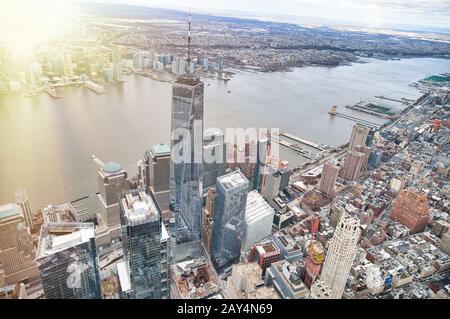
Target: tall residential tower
{"x":340,"y":256}
{"x":330,"y":173}
{"x":359,"y":136}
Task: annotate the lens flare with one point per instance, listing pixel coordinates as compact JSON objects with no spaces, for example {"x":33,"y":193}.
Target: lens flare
{"x":24,"y":23}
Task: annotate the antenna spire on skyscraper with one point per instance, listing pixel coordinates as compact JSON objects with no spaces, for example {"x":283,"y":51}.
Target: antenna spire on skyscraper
{"x":189,"y":43}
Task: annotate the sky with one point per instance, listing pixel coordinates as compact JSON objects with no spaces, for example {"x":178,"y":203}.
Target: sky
{"x":26,"y":22}
{"x":364,"y":13}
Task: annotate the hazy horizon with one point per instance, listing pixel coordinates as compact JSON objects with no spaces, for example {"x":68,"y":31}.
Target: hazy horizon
{"x":371,"y":14}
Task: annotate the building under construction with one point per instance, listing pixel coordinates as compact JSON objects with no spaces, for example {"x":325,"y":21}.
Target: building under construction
{"x":193,"y":279}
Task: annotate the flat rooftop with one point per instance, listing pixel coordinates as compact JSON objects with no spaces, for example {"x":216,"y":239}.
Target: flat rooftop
{"x":124,"y":276}
{"x":161,"y":149}
{"x":65,"y":213}
{"x":139,"y":208}
{"x":267,"y":248}
{"x":232,"y":180}
{"x":8,"y":210}
{"x":286,"y":240}
{"x":56,"y":237}
{"x":257,"y":207}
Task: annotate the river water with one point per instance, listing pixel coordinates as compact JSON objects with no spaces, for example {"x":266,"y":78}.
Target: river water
{"x":46,"y":144}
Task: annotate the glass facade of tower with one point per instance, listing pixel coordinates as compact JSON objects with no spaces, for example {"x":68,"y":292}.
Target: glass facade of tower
{"x":145,"y":246}
{"x":187,"y":164}
{"x":67,"y":261}
{"x":214,"y":148}
{"x":229,"y":219}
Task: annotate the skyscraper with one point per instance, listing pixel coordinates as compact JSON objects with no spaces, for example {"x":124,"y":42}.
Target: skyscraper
{"x":17,"y":253}
{"x":411,"y":209}
{"x":145,"y":246}
{"x":366,"y":150}
{"x":112,"y":181}
{"x":229,"y":219}
{"x":214,"y":163}
{"x":330,"y":173}
{"x":261,"y":160}
{"x":187,"y":146}
{"x":207,"y":218}
{"x":67,"y":261}
{"x":22,"y":201}
{"x":211,"y":201}
{"x":340,"y":256}
{"x":276,"y":180}
{"x":258,"y":219}
{"x":117,"y":65}
{"x":354,"y":162}
{"x":359,"y":136}
{"x":154,"y":175}
{"x":68,"y":67}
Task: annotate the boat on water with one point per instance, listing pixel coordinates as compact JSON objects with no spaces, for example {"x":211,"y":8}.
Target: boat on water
{"x":97,"y":88}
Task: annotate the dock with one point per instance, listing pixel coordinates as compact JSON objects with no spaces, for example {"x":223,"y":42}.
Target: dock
{"x":371,"y":112}
{"x":367,"y":123}
{"x":303,"y":141}
{"x":402,"y":100}
{"x":358,"y":120}
{"x":384,"y":112}
{"x":51,"y":90}
{"x":305,"y":153}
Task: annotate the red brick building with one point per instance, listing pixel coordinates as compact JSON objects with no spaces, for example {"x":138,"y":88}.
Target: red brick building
{"x":265,"y":254}
{"x":411,"y":209}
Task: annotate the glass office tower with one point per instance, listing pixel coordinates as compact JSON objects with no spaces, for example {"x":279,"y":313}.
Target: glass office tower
{"x":187,"y":162}
{"x":145,"y":246}
{"x":67,"y":261}
{"x":229,"y":219}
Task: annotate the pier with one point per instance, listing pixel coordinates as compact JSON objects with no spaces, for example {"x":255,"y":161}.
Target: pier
{"x":51,"y":90}
{"x":303,"y":141}
{"x":305,"y":153}
{"x":334,"y":112}
{"x":358,"y":120}
{"x":403,"y":100}
{"x":373,"y":109}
